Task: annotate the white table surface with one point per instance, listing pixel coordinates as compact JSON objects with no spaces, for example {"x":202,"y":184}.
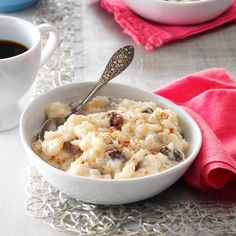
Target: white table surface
{"x":13,"y":219}
{"x":13,"y":165}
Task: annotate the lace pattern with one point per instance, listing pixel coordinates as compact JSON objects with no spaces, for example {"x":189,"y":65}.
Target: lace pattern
{"x":156,"y":216}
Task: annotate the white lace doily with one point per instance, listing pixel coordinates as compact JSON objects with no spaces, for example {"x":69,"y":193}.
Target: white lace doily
{"x":65,"y":16}
{"x":156,"y":216}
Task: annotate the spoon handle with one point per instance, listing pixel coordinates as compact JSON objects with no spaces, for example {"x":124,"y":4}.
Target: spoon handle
{"x":119,"y":61}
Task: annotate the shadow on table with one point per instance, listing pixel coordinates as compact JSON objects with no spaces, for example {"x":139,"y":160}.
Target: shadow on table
{"x":181,"y":191}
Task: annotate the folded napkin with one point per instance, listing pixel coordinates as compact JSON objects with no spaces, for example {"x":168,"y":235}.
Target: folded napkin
{"x":153,"y":34}
{"x":210,"y":98}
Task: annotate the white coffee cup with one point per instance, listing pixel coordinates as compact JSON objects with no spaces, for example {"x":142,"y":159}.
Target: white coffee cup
{"x":17,"y":73}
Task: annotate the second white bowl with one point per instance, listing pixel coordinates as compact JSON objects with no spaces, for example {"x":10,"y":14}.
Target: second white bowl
{"x":179,"y":13}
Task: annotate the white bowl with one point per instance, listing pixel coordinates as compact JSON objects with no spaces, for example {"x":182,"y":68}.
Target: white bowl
{"x":101,"y":191}
{"x":179,"y":13}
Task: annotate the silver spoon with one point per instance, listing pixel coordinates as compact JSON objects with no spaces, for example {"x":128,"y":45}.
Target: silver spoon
{"x":118,"y":63}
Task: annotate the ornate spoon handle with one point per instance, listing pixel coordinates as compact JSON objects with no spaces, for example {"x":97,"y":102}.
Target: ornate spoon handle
{"x":119,"y":61}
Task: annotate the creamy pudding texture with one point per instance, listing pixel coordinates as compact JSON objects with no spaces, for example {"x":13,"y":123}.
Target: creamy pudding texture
{"x":113,"y":139}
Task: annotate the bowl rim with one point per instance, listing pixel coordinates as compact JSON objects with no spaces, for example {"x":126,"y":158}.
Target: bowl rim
{"x":31,"y":154}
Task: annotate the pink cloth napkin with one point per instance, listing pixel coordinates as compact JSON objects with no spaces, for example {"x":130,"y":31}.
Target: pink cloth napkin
{"x":154,"y":35}
{"x":210,"y":98}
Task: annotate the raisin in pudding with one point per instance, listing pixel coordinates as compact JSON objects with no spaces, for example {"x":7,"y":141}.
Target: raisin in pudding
{"x":113,"y":139}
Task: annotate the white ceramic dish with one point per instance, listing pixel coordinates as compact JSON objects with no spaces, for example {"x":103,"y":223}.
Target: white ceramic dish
{"x":101,"y":191}
{"x":179,"y":13}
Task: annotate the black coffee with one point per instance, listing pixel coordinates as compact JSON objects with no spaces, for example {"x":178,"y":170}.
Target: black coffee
{"x":11,"y":49}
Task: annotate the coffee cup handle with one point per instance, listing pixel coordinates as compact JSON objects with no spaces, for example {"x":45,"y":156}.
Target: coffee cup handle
{"x":51,"y":43}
